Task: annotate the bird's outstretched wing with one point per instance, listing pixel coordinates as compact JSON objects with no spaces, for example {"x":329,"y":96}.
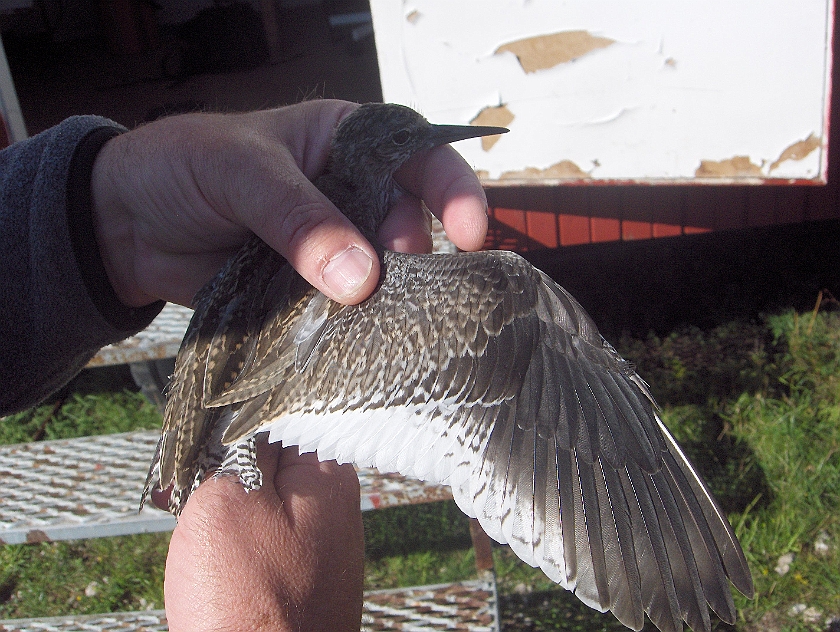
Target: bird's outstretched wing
{"x":216,"y":341}
{"x":478,"y":371}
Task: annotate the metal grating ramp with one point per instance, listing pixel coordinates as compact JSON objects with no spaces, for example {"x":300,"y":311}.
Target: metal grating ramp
{"x":161,"y":339}
{"x":150,"y":621}
{"x":77,"y":488}
{"x":380,"y":491}
{"x":90,"y":487}
{"x":468,"y":606}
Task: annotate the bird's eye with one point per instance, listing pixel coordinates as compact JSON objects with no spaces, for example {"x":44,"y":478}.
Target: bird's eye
{"x":401,"y":137}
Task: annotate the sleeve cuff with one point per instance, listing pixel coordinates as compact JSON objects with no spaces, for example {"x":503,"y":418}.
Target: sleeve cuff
{"x":83,"y":238}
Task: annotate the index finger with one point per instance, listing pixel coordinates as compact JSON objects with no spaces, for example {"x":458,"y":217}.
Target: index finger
{"x":281,"y":205}
{"x":452,"y":191}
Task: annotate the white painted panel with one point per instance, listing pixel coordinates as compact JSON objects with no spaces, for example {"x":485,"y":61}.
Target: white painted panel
{"x":681,"y":91}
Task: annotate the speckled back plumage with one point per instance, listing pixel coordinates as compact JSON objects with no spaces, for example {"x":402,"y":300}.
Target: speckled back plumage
{"x":475,"y":370}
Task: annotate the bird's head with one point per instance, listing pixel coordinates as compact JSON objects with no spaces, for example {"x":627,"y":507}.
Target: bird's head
{"x":373,"y":142}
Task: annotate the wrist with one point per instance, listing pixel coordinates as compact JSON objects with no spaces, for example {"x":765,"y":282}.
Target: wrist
{"x":113,"y":228}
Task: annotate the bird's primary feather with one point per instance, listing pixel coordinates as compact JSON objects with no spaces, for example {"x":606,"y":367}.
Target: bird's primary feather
{"x":473,"y":370}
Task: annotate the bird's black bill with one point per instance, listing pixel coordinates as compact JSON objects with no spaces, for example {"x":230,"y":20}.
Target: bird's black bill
{"x":445,"y":134}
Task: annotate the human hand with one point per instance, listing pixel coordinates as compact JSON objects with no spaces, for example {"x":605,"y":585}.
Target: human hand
{"x":175,"y":198}
{"x":288,"y":556}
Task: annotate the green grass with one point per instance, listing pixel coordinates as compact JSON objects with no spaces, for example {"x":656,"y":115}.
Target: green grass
{"x":795,"y":442}
{"x":755,"y":405}
{"x":99,"y":401}
{"x":89,"y":576}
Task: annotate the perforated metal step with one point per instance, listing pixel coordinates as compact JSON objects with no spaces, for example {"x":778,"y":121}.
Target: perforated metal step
{"x":90,"y":488}
{"x":150,"y":621}
{"x":161,"y":339}
{"x":468,"y":606}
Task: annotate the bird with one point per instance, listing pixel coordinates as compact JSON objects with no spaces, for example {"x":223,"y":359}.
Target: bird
{"x":474,"y":370}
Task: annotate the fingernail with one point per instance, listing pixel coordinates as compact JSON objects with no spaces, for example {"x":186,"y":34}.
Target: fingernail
{"x":347,"y":271}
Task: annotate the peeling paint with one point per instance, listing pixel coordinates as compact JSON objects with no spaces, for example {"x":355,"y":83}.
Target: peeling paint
{"x":36,"y":536}
{"x":798,"y":150}
{"x":565,"y":170}
{"x":735,"y":167}
{"x":498,"y":116}
{"x":546,"y":51}
{"x":647,"y":90}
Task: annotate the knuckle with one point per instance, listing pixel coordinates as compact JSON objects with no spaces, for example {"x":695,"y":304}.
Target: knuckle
{"x":300,"y":221}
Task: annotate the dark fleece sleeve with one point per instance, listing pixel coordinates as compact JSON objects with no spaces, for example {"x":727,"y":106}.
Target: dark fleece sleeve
{"x":57,"y":308}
